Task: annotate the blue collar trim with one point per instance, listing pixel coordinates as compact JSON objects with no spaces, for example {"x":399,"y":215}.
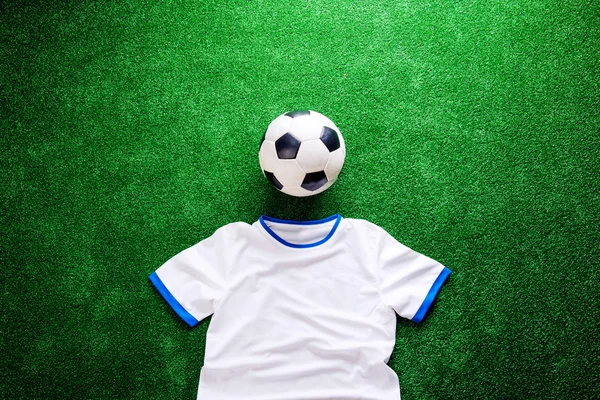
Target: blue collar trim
{"x":336,"y":217}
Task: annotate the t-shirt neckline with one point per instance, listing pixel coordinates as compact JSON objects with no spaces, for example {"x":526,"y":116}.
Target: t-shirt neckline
{"x":336,"y":217}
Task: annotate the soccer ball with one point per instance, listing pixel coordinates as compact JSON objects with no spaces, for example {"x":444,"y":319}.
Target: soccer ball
{"x":302,"y":153}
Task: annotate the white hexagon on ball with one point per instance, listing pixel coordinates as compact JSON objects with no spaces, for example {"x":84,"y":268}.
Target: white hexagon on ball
{"x":335,"y":164}
{"x":306,"y":127}
{"x":267,"y":156}
{"x":313,"y":156}
{"x":279,"y":124}
{"x":289,"y":173}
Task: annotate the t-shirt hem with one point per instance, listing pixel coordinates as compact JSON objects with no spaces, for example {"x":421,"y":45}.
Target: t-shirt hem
{"x":433,"y":291}
{"x":171,"y":300}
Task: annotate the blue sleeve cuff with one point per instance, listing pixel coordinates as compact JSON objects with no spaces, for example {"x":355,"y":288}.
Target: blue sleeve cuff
{"x":175,"y":305}
{"x":435,"y":288}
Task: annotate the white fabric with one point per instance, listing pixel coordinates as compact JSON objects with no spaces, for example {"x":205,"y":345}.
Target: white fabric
{"x":300,"y":323}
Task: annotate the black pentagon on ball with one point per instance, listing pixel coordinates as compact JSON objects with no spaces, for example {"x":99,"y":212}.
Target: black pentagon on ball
{"x":297,"y":113}
{"x":271,"y":178}
{"x":287,"y":146}
{"x":330,"y":138}
{"x":314,"y":180}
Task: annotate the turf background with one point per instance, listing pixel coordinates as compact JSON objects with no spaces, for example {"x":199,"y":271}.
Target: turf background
{"x":130,"y":130}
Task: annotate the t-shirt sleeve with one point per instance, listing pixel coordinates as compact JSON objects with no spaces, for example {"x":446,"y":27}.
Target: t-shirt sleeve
{"x":193,"y":281}
{"x":409,"y":281}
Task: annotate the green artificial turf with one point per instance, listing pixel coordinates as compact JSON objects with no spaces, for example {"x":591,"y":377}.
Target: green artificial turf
{"x":130,"y":131}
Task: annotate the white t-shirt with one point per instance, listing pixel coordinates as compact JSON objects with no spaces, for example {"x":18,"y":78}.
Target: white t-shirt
{"x":302,"y":310}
